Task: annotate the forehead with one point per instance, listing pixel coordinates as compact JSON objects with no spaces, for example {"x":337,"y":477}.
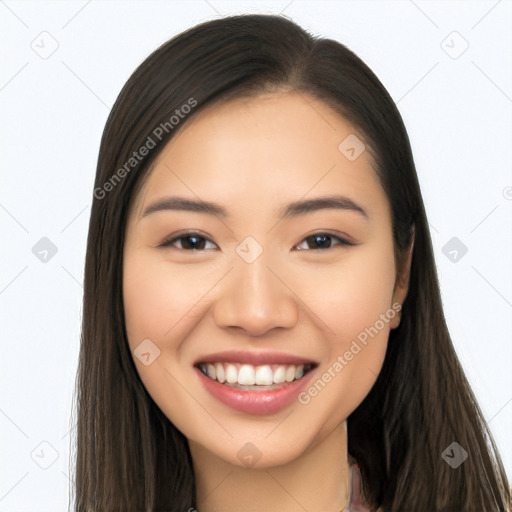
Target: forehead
{"x":264,"y":147}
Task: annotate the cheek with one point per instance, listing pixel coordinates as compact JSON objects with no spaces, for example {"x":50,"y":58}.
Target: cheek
{"x":353,"y":304}
{"x":351,"y":296}
{"x":145,"y":303}
{"x":157,"y":297}
{"x":157,"y":303}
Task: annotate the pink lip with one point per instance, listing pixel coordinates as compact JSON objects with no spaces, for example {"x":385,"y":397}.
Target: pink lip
{"x":254,"y":358}
{"x":254,"y":402}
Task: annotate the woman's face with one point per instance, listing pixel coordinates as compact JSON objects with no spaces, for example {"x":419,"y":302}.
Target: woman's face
{"x":272,"y":282}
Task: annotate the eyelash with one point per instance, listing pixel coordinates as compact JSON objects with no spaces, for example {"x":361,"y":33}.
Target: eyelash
{"x":168,"y":242}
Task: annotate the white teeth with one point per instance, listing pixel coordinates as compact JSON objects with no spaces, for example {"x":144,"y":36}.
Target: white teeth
{"x":210,"y":369}
{"x":290,"y":373}
{"x":221,"y":376}
{"x":280,"y":375}
{"x":249,"y":375}
{"x":246,"y":375}
{"x":231,"y":374}
{"x":264,"y":376}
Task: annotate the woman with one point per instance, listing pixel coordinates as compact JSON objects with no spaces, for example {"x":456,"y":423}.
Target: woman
{"x":262,"y":322}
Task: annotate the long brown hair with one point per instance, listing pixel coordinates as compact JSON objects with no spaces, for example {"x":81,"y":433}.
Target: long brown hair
{"x":129,"y":456}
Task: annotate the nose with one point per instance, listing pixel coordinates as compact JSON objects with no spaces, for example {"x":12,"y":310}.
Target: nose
{"x":256,"y":299}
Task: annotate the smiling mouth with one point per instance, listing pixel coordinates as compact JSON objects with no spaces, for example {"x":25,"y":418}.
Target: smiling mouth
{"x":254,"y":378}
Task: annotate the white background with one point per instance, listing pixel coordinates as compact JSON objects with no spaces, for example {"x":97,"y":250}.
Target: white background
{"x":457,"y":112}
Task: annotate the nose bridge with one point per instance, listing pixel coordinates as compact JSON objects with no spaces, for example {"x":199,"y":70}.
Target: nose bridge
{"x":253,"y":298}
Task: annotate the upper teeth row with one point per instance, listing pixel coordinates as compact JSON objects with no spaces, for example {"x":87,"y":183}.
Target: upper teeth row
{"x":249,"y":375}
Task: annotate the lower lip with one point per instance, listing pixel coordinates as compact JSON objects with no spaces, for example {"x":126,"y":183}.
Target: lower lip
{"x":255,"y":402}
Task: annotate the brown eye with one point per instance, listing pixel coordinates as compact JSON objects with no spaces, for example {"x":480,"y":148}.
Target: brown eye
{"x":323,"y":241}
{"x":189,"y":242}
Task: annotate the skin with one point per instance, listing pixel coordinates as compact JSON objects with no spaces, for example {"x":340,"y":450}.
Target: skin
{"x":253,"y":156}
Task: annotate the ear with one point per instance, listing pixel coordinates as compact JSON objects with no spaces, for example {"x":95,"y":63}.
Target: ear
{"x":402,"y":284}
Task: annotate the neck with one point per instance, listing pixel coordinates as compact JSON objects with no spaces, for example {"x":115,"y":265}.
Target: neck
{"x":317,"y":480}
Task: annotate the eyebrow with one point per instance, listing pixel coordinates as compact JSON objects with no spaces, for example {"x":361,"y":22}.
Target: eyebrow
{"x":291,"y":210}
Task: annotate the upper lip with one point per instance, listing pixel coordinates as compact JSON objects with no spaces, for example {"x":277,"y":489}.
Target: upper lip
{"x":254,"y":358}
